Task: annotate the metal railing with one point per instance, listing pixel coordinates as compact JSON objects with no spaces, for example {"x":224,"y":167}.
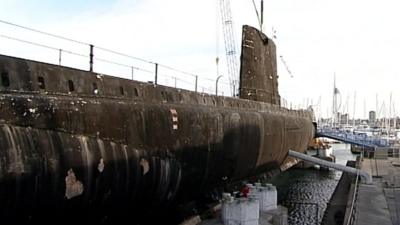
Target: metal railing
{"x":131,"y":66}
{"x":353,"y":212}
{"x":352,"y":138}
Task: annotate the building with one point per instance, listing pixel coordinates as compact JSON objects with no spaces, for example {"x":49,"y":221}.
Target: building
{"x":344,"y":118}
{"x":372,"y":117}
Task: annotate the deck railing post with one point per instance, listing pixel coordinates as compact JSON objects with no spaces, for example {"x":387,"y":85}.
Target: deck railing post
{"x":91,"y":58}
{"x":59,"y":56}
{"x":156,"y":73}
{"x":195,"y":84}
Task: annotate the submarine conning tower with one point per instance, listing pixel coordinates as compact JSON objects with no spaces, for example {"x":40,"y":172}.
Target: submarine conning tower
{"x":258,"y":71}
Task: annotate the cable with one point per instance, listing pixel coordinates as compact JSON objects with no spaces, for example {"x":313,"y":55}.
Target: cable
{"x":286,"y":66}
{"x":84,"y":43}
{"x":205,"y":89}
{"x":146,"y":61}
{"x":28,"y":42}
{"x":177,"y":70}
{"x":258,"y":15}
{"x":123,"y":65}
{"x":43,"y":46}
{"x":181,"y":80}
{"x":72,"y":40}
{"x":86,"y":56}
{"x":43,"y":32}
{"x":73,"y":53}
{"x":150,"y":62}
{"x":123,"y":54}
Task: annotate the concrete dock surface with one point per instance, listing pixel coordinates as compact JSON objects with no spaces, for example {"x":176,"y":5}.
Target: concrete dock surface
{"x":378,"y":203}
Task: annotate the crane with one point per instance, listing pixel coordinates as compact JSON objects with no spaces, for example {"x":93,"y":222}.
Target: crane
{"x":230,"y":44}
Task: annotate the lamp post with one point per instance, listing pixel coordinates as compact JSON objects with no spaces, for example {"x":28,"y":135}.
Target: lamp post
{"x":216,"y":84}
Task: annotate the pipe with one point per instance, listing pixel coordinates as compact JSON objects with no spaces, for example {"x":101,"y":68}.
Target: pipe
{"x":365,"y":177}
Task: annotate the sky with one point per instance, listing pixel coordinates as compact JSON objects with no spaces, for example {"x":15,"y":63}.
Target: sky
{"x":356,"y":40}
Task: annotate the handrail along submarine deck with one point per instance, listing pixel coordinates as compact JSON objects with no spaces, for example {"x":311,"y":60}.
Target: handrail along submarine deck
{"x":74,"y":138}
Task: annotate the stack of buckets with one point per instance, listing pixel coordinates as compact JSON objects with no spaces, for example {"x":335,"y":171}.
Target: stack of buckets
{"x":246,"y":211}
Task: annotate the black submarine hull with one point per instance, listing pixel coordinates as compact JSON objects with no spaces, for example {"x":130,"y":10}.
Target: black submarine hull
{"x":79,"y":143}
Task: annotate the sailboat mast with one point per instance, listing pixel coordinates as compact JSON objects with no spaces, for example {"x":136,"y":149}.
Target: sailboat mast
{"x":354,"y":110}
{"x":390,"y":113}
{"x":365,"y":108}
{"x":347,"y":110}
{"x":376,"y":108}
{"x":334,"y":105}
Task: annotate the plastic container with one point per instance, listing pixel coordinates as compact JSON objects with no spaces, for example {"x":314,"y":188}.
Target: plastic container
{"x":241,"y":211}
{"x":269,"y":198}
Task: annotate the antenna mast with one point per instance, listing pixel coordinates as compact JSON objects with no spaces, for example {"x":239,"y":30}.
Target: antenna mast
{"x":262,"y":15}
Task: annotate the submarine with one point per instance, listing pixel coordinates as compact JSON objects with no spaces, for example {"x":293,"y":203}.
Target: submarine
{"x":79,"y":146}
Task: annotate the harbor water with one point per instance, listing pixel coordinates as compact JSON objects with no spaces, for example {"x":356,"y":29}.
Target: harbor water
{"x":306,"y":192}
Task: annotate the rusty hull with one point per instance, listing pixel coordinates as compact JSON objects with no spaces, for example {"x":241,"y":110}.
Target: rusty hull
{"x":79,"y":143}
